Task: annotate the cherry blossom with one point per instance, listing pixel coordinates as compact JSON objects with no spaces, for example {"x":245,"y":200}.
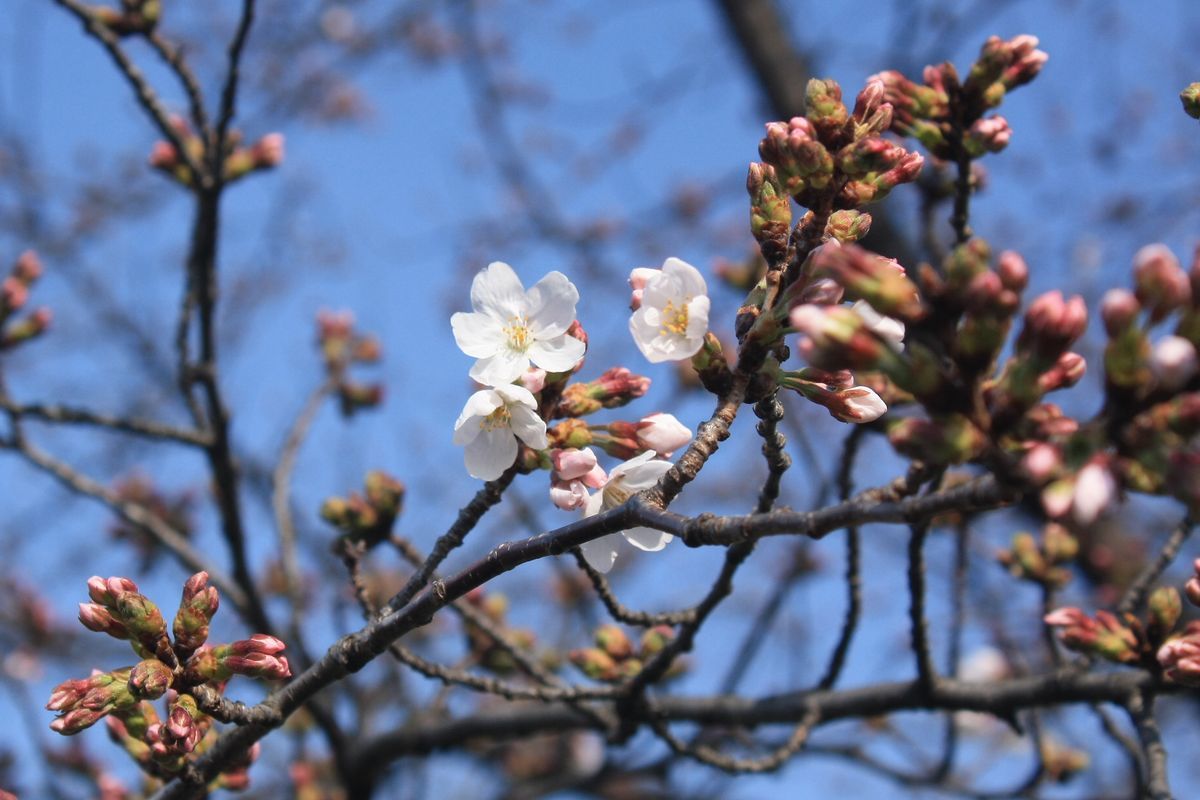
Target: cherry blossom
{"x":490,"y":424}
{"x":511,"y":327}
{"x":672,"y":311}
{"x":625,"y":480}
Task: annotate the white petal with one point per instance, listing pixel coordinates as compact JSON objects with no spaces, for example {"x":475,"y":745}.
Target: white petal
{"x":529,"y":427}
{"x":643,"y":476}
{"x":551,"y":306}
{"x":477,"y":335}
{"x":622,"y":469}
{"x":490,"y":454}
{"x":644,"y":335}
{"x":600,"y":553}
{"x":698,"y":318}
{"x":478,"y":406}
{"x":662,"y":289}
{"x":501,"y":369}
{"x":689,"y":278}
{"x":497,"y":292}
{"x":512,"y":393}
{"x":559,"y":354}
{"x":647,"y":539}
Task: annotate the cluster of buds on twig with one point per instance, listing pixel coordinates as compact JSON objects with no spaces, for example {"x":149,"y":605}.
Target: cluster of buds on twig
{"x":14,"y":295}
{"x":171,"y":667}
{"x":1152,"y":393}
{"x":341,"y":347}
{"x":1126,"y":639}
{"x":1042,"y":562}
{"x":367,"y":517}
{"x":829,"y":159}
{"x":240,"y":161}
{"x":1179,"y":656}
{"x":484,"y":648}
{"x":175,"y":509}
{"x":615,"y":658}
{"x":945,"y":113}
{"x":138,"y":17}
{"x":267,"y":153}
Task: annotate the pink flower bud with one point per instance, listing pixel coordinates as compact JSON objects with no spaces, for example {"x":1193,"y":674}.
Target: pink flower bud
{"x":105,"y":592}
{"x":858,"y":404}
{"x":1160,"y":283}
{"x":268,"y":151}
{"x":258,"y":643}
{"x":637,"y":283}
{"x":1119,"y":310}
{"x":28,"y":268}
{"x":1173,"y":362}
{"x":572,"y":464}
{"x":13,"y":294}
{"x":96,"y":617}
{"x":989,"y":135}
{"x":533,"y":379}
{"x":1041,"y":463}
{"x":663,"y":434}
{"x":1066,"y":372}
{"x":1094,"y":491}
{"x":1013,"y":271}
{"x":163,"y":155}
{"x":568,"y":495}
{"x":1052,"y":323}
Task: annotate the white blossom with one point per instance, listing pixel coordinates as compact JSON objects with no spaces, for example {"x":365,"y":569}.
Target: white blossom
{"x":672,"y":314}
{"x":511,"y":327}
{"x":625,"y":480}
{"x":490,"y":424}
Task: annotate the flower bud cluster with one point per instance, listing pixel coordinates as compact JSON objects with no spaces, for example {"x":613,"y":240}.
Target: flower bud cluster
{"x":1179,"y":655}
{"x":341,"y":347}
{"x":1104,"y":635}
{"x":14,"y":295}
{"x":369,"y":516}
{"x":1042,"y":562}
{"x":828,"y":159}
{"x":615,"y":658}
{"x":162,"y":747}
{"x":266,"y":153}
{"x":945,"y":113}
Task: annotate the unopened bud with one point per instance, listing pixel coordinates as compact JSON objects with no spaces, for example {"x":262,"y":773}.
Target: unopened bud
{"x":150,"y":679}
{"x":1190,"y":97}
{"x":613,"y":641}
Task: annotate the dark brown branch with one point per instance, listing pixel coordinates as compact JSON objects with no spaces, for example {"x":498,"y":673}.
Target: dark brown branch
{"x":1004,"y":698}
{"x":1141,"y":710}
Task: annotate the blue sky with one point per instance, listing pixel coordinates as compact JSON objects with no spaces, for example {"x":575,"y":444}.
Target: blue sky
{"x":377,"y":217}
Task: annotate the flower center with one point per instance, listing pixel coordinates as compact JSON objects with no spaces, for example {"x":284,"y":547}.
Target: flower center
{"x":500,"y":418}
{"x":674,"y":318}
{"x":615,"y":494}
{"x":517,"y":333}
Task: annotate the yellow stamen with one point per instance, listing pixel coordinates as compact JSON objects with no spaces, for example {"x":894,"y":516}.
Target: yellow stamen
{"x":500,"y":418}
{"x":674,"y":319}
{"x":518,"y":334}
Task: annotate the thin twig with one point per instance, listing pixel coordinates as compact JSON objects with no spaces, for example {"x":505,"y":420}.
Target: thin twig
{"x":1141,"y":711}
{"x":80,"y":416}
{"x":1135,"y":595}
